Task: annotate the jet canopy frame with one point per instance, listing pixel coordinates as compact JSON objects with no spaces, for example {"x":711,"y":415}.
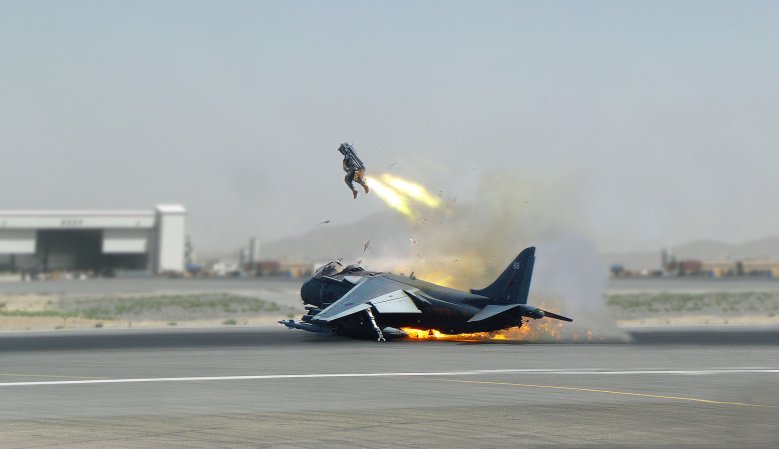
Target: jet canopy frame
{"x":336,"y":268}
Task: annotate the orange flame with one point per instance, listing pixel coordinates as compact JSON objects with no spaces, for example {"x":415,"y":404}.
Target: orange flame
{"x":531,"y":331}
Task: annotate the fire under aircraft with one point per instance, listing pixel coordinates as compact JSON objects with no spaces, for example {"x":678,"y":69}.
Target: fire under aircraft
{"x":355,"y":302}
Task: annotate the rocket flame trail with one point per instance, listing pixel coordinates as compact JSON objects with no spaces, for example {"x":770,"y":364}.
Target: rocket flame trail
{"x":402,"y":195}
{"x":391,"y":197}
{"x":412,"y":190}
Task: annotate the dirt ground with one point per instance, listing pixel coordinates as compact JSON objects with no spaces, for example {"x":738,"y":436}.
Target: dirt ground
{"x":51,"y":311}
{"x":75,"y":309}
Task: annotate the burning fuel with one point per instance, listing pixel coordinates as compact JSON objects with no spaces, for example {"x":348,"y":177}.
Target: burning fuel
{"x":533,"y":331}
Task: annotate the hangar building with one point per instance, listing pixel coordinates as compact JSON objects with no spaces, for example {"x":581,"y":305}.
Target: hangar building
{"x":137,"y":241}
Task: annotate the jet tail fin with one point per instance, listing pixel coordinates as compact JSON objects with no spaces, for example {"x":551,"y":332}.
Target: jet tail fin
{"x":513,"y":285}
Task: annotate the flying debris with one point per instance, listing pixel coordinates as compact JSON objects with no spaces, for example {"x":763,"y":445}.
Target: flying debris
{"x":365,"y":246}
{"x":391,"y":165}
{"x":353,"y":302}
{"x":412,"y":240}
{"x":319,"y":224}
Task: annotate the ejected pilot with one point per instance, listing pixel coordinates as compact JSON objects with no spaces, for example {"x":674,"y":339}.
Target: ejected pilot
{"x":354,"y":168}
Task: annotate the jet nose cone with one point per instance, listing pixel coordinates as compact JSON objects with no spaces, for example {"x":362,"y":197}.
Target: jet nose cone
{"x":309,"y":292}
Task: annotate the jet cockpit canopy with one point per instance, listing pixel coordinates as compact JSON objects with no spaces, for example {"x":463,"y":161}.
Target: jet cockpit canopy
{"x":336,"y":267}
{"x":352,"y":268}
{"x":329,"y":269}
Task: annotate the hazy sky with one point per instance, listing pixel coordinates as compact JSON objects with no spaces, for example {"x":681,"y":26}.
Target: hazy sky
{"x":665,"y":114}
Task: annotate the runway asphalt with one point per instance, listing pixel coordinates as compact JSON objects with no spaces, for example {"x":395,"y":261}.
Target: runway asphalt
{"x":243,"y":387}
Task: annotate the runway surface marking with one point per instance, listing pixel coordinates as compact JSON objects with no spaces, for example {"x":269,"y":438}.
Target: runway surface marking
{"x":49,"y":376}
{"x":624,"y":393}
{"x":593,"y":372}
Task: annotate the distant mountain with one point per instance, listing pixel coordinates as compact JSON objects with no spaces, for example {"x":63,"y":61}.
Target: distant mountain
{"x":469,"y":230}
{"x":706,"y":250}
{"x":635,"y":261}
{"x":332,"y":240}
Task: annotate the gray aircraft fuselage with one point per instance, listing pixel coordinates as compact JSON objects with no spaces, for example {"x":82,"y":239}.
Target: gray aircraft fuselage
{"x":446,"y":309}
{"x":360,"y":303}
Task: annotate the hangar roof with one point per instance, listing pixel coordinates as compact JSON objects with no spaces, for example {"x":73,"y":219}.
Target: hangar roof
{"x":83,"y":219}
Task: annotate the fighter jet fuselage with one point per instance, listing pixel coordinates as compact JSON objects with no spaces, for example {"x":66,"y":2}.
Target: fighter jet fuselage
{"x":368,"y":304}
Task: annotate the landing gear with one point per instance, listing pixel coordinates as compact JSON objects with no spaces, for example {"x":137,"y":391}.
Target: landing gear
{"x":375,"y":326}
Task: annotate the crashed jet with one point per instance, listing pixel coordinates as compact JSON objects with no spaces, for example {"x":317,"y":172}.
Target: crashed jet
{"x":354,"y":302}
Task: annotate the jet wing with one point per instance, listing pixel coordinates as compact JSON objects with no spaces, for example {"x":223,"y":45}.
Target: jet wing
{"x":395,"y":302}
{"x":492,"y":310}
{"x":386,"y":295}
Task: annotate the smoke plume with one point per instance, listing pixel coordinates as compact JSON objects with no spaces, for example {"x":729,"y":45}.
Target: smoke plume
{"x":467,"y":245}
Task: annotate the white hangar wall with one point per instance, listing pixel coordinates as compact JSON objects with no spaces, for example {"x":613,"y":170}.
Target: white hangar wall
{"x":171,"y":237}
{"x":150,"y":241}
